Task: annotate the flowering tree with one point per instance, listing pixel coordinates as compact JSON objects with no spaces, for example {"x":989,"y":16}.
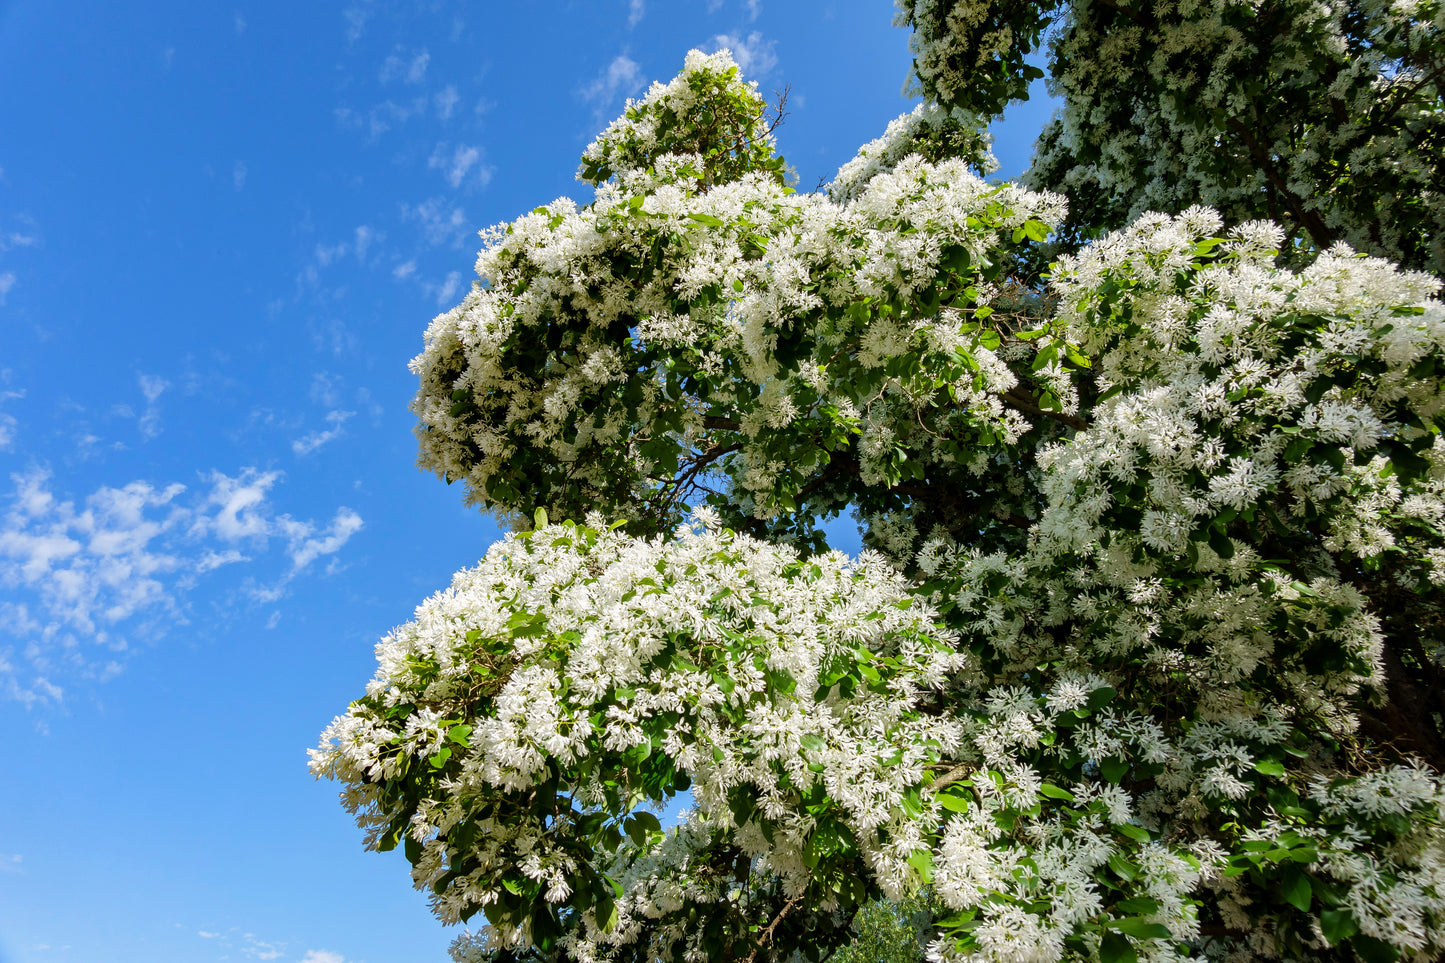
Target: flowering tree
{"x":1143,"y":660}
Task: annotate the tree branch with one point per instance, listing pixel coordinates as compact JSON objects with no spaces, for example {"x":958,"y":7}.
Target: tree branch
{"x":767,"y":934}
{"x":1015,"y":399}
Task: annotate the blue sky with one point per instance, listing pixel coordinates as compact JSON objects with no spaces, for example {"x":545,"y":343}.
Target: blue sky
{"x":223,"y":229}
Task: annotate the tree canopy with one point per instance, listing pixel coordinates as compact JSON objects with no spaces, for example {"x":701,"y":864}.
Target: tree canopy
{"x":1143,"y":660}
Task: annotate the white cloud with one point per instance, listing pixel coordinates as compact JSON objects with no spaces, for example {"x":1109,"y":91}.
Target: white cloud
{"x":205,"y":935}
{"x":10,"y":863}
{"x":755,"y":7}
{"x":152,"y":387}
{"x":327,"y":254}
{"x":441,"y":224}
{"x":621,"y":77}
{"x":8,"y":424}
{"x":150,"y":420}
{"x":446,"y":292}
{"x":260,"y":950}
{"x":322,"y":956}
{"x":81,"y":576}
{"x":307,"y":548}
{"x":380,"y":119}
{"x":364,"y":236}
{"x":446,"y":102}
{"x":7,"y":281}
{"x":238,"y":174}
{"x":635,"y":10}
{"x":306,"y":444}
{"x":356,"y":18}
{"x":754,"y":55}
{"x":409,"y":68}
{"x":239,"y":22}
{"x":456,"y":164}
{"x":403,"y":271}
{"x":325,"y":388}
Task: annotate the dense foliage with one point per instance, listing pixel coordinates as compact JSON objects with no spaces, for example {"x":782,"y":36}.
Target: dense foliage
{"x":1143,"y":661}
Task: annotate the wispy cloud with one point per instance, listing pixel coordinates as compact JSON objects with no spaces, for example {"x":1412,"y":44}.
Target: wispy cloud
{"x":754,"y":55}
{"x":621,"y":78}
{"x":307,"y":545}
{"x":457,"y":163}
{"x":322,"y":956}
{"x":8,"y":424}
{"x":381,"y":118}
{"x":408,"y":67}
{"x":446,"y":102}
{"x":238,"y":174}
{"x":356,"y":18}
{"x":446,"y":292}
{"x":260,"y":949}
{"x":84,"y":576}
{"x":10,"y":863}
{"x":152,"y":387}
{"x":7,"y":281}
{"x":442,"y":223}
{"x":635,"y":11}
{"x":306,"y":444}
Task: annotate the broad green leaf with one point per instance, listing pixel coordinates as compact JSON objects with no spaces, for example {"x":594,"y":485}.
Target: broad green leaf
{"x":1338,"y":925}
{"x":1114,"y":948}
{"x":1295,"y":888}
{"x":1054,"y":792}
{"x":1140,"y":928}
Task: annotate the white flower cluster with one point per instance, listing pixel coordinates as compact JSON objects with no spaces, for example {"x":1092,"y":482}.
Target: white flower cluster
{"x":744,"y":666}
{"x":1132,"y":675}
{"x":659,"y":285}
{"x":957,"y":135}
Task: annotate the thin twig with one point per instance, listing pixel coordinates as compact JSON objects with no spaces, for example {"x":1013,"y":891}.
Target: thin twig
{"x":767,"y":934}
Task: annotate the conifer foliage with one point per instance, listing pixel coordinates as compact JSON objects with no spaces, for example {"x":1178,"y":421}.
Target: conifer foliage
{"x":1144,"y":659}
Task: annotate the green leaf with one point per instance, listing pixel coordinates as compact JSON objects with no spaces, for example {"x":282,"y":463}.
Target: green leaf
{"x":954,"y":804}
{"x":922,"y":860}
{"x":439,"y":758}
{"x":459,"y":734}
{"x":1114,"y":948}
{"x":1054,"y":792}
{"x":1113,"y":768}
{"x":1138,"y":833}
{"x":1140,"y":928}
{"x":649,"y":821}
{"x":1121,"y":866}
{"x":1295,"y":888}
{"x":1372,"y":950}
{"x":1269,"y":767}
{"x":540,"y":517}
{"x":1338,"y":925}
{"x":1138,"y":904}
{"x":707,"y":220}
{"x":813,"y":741}
{"x":1100,"y":697}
